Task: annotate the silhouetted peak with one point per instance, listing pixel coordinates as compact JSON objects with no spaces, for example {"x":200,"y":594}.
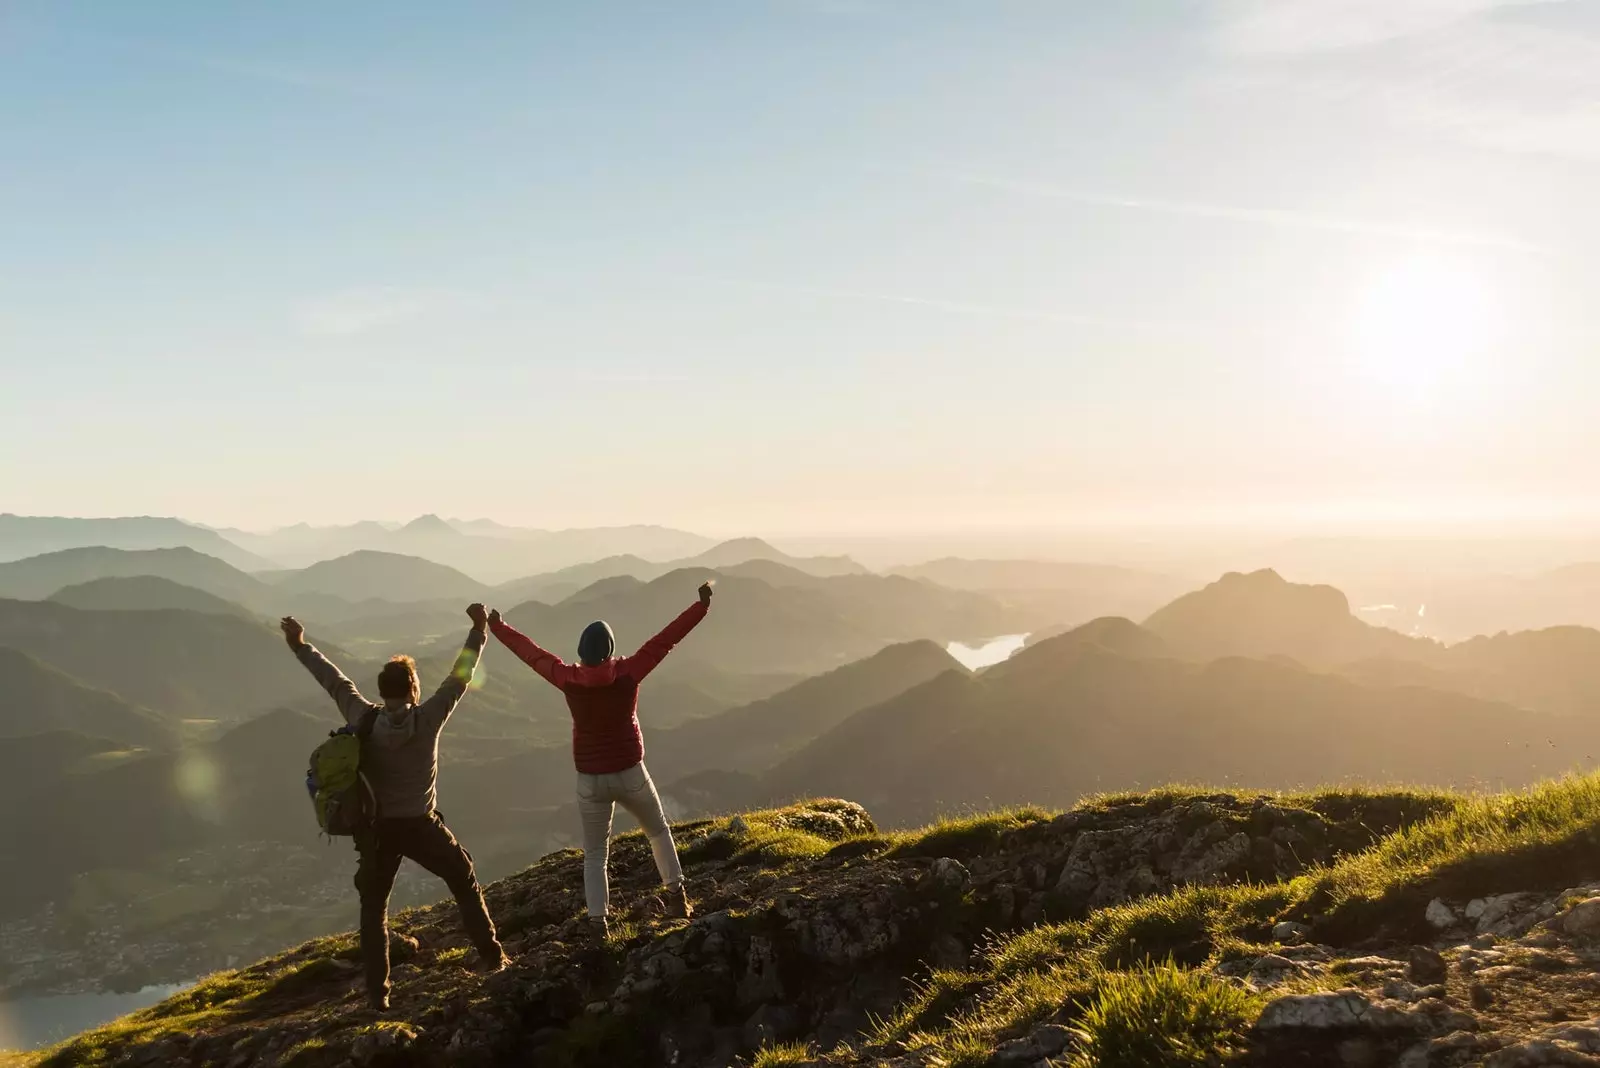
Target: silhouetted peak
{"x":739,"y":550}
{"x":428,"y":524}
{"x":1264,"y":589}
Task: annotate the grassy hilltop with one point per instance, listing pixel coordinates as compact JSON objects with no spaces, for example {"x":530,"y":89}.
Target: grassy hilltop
{"x":1176,"y":927}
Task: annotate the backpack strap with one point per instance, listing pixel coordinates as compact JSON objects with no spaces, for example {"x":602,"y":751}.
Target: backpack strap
{"x":364,"y":725}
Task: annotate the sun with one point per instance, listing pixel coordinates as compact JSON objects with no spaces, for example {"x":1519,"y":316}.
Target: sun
{"x":1425,"y":329}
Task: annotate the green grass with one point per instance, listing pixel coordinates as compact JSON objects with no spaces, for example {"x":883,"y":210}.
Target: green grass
{"x":1543,"y":837}
{"x":783,"y":1056}
{"x":457,"y":955}
{"x":1162,"y":1017}
{"x":775,"y":838}
{"x":303,"y":1054}
{"x":1141,"y":968}
{"x":966,"y":836}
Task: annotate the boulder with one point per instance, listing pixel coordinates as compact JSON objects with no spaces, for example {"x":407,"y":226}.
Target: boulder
{"x":1425,"y":966}
{"x":1581,"y":920}
{"x":950,"y":874}
{"x":1565,"y":1045}
{"x":1440,"y":917}
{"x":1272,"y":970}
{"x":1044,"y":1043}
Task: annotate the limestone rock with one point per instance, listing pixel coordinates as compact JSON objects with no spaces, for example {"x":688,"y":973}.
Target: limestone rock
{"x":1582,"y":920}
{"x":950,"y":874}
{"x":1045,"y":1042}
{"x":1352,"y":1010}
{"x":1440,"y":917}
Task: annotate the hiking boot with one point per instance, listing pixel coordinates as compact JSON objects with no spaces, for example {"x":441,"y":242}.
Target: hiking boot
{"x":496,"y":962}
{"x":599,"y":930}
{"x":678,"y":902}
{"x":379,"y":1003}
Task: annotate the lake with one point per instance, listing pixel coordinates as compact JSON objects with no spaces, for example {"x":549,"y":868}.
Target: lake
{"x":29,"y":1023}
{"x":990,"y":652}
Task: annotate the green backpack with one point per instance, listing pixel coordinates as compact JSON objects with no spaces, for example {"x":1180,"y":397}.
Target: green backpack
{"x":340,"y":793}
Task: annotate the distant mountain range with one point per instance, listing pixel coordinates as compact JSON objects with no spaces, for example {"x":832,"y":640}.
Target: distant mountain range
{"x":741,"y":556}
{"x":489,"y":552}
{"x":806,"y":625}
{"x":23,"y":536}
{"x":1104,"y":709}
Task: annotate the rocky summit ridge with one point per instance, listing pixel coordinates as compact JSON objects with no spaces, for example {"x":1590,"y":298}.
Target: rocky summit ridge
{"x":1345,"y":928}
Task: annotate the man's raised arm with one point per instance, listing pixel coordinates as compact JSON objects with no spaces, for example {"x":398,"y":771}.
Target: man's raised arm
{"x":454,"y":687}
{"x":352,"y":706}
{"x":549,"y":666}
{"x":652,"y":652}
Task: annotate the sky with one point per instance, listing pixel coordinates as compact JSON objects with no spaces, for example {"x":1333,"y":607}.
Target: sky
{"x":802,"y":266}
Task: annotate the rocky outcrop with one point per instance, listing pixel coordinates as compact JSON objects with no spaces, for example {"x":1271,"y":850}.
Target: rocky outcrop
{"x":783,"y":946}
{"x":810,"y":924}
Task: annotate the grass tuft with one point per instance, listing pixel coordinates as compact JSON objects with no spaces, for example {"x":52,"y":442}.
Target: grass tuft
{"x":786,"y":1055}
{"x":966,"y":836}
{"x":1544,"y":837}
{"x":1163,"y":1017}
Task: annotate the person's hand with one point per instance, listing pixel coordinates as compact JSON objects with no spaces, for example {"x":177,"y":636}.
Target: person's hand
{"x":293,"y":632}
{"x":478,"y":614}
{"x":705,"y":593}
{"x":494,"y":616}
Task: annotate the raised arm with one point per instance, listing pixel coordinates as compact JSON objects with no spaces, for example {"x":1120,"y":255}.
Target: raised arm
{"x":652,"y":652}
{"x":549,"y":666}
{"x":437,"y":709}
{"x":352,"y":706}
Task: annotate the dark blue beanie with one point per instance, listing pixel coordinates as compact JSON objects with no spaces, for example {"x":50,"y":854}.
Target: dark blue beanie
{"x":597,"y":643}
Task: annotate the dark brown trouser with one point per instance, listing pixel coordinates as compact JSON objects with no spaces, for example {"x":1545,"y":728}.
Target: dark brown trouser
{"x":426,"y":840}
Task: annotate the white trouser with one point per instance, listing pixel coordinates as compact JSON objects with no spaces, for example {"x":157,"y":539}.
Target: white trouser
{"x":598,"y":796}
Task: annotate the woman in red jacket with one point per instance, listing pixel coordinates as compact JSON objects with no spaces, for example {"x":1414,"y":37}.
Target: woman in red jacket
{"x":602,"y":692}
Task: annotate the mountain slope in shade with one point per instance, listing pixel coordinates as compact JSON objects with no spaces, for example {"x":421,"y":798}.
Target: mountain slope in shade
{"x":1070,"y":717}
{"x":182,"y":664}
{"x":23,"y":536}
{"x":143,"y":593}
{"x":37,"y":577}
{"x":368,"y":575}
{"x":245,"y":786}
{"x":757,"y":627}
{"x":759,"y":735}
{"x":1555,"y":670}
{"x":748,"y":738}
{"x":556,"y":586}
{"x":36,"y":698}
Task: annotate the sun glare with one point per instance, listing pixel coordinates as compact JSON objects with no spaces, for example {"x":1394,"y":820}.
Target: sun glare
{"x":1425,"y":330}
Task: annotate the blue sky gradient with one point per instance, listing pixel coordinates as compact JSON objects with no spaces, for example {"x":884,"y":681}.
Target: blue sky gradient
{"x":801,"y":265}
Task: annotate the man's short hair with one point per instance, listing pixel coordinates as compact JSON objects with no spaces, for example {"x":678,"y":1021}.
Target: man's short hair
{"x":398,"y":680}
